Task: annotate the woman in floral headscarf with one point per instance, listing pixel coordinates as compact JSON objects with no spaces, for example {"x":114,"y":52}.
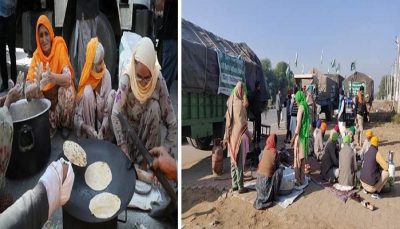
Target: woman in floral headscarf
{"x":300,"y":138}
{"x":237,"y":135}
{"x":143,"y":98}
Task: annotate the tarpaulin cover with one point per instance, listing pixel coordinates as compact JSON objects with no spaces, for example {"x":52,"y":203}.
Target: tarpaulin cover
{"x":200,"y":70}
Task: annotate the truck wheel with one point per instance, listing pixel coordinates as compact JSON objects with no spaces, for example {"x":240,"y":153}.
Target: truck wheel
{"x":106,"y":36}
{"x":201,"y":143}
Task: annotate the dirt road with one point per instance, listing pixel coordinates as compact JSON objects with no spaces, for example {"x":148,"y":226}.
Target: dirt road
{"x":207,"y":202}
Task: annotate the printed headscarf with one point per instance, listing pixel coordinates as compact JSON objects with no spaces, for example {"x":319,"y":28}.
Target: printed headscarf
{"x":144,"y":53}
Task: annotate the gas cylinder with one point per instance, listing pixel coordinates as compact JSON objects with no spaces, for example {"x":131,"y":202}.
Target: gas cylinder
{"x":217,"y":157}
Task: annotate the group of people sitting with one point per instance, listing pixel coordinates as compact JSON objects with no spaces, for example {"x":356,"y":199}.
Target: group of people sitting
{"x":345,"y":162}
{"x":92,"y":108}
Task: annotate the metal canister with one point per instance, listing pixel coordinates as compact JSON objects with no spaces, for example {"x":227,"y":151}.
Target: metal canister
{"x":390,"y":157}
{"x":217,"y":157}
{"x":392,"y":167}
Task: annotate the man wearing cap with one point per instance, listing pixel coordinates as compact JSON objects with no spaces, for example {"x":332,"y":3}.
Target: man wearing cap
{"x":352,"y":132}
{"x":374,"y":172}
{"x":366,"y":144}
{"x":347,"y":164}
{"x":330,"y":159}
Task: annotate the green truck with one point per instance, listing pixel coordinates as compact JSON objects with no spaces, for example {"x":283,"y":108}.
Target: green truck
{"x":203,"y":108}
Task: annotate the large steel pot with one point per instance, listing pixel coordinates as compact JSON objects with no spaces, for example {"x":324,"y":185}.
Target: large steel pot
{"x":31,"y":139}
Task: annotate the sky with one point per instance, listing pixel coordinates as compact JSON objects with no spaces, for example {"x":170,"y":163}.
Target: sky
{"x":363,"y":31}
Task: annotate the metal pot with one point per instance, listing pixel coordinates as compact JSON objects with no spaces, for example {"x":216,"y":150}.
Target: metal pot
{"x":31,"y":139}
{"x":287,"y":182}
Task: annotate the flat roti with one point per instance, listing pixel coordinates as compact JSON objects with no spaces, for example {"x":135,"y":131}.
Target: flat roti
{"x":75,"y":153}
{"x":104,"y":205}
{"x":98,"y":175}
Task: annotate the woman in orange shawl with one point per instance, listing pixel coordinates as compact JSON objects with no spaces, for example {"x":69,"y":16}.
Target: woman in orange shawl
{"x":95,"y":97}
{"x":237,"y":135}
{"x":50,"y":76}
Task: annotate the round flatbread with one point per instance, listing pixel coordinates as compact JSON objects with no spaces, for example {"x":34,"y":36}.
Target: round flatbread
{"x":104,"y":205}
{"x":98,"y":175}
{"x":75,"y":153}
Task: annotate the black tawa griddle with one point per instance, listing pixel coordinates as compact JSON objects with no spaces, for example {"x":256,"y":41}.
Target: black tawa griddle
{"x":122,"y":184}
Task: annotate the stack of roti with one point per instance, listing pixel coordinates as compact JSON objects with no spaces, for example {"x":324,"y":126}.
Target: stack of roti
{"x":75,"y":153}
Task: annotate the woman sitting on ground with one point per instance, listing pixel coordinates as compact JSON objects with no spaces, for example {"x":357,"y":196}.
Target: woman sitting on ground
{"x":50,"y":76}
{"x":269,"y":175}
{"x":330,"y":159}
{"x":95,"y":97}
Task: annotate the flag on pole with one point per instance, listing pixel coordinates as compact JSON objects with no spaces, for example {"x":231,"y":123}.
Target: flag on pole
{"x":322,"y":56}
{"x":295,"y":61}
{"x":353,"y":66}
{"x":333,"y":63}
{"x":288,"y":71}
{"x":338,"y":68}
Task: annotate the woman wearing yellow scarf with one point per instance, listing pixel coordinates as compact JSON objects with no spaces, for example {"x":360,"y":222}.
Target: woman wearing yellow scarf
{"x":143,"y":98}
{"x":95,"y":97}
{"x":50,"y":76}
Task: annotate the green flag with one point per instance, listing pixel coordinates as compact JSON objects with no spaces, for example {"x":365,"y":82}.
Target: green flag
{"x":322,"y":55}
{"x":353,"y":66}
{"x":288,"y":71}
{"x":333,"y":63}
{"x":338,"y":68}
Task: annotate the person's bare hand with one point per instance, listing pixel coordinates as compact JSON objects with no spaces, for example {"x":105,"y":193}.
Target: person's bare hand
{"x":124,"y":147}
{"x":13,"y":95}
{"x":100,"y":134}
{"x":31,"y":90}
{"x":164,"y":162}
{"x":46,"y":77}
{"x":90,"y":131}
{"x":20,"y":78}
{"x":38,"y":71}
{"x":224,"y":144}
{"x":292,"y":142}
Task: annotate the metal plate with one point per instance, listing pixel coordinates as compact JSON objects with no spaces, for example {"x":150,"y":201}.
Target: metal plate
{"x":122,"y":184}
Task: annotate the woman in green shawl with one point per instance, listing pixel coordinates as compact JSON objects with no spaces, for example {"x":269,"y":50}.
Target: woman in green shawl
{"x":300,"y":139}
